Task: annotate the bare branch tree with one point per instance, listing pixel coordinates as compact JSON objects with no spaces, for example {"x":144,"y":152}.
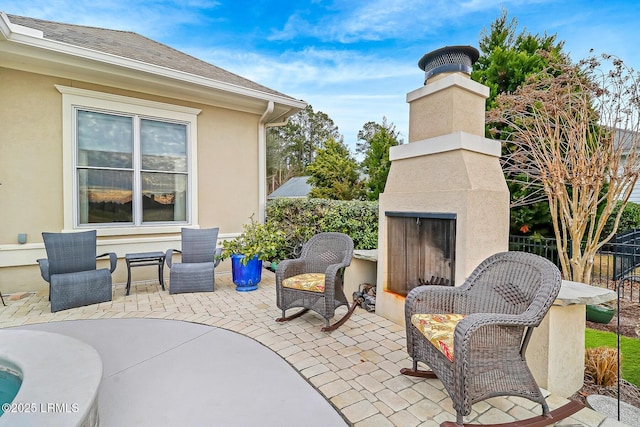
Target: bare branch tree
{"x":574,"y":131}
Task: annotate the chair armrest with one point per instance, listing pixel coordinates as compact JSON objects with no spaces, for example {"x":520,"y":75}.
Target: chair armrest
{"x":504,"y":331}
{"x":113,"y":260}
{"x":44,"y":269}
{"x":290,"y":267}
{"x":217,"y":257}
{"x":169,"y":256}
{"x":434,"y":299}
{"x":333,"y":269}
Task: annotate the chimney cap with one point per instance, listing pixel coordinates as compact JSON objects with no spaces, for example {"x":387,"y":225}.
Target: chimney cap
{"x":448,"y":59}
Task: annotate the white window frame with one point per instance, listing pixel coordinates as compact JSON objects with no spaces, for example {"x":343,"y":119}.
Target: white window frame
{"x":74,"y":98}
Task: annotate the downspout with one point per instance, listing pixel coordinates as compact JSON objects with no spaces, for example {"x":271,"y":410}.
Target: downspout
{"x":262,"y":161}
{"x":262,"y":156}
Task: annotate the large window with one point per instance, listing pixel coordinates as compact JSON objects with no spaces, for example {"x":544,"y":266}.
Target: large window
{"x":132,"y":162}
{"x":130,"y":169}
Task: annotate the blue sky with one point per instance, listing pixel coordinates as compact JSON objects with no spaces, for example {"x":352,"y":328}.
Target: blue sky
{"x":353,"y":60}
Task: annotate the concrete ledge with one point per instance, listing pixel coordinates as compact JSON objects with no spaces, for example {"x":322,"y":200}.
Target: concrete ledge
{"x":444,"y":143}
{"x":61,"y":376}
{"x":363,"y":269}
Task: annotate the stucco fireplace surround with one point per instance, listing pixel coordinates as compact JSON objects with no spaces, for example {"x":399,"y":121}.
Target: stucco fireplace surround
{"x":447,"y":170}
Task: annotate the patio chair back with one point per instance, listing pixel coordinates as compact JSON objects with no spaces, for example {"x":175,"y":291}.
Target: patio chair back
{"x":325,"y":249}
{"x":511,"y":283}
{"x":199,"y":245}
{"x":70,"y":252}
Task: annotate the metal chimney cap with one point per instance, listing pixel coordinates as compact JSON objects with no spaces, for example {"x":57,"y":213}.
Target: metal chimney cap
{"x":448,"y":59}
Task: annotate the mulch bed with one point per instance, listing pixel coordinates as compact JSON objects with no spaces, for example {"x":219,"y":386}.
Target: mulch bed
{"x":629,"y":327}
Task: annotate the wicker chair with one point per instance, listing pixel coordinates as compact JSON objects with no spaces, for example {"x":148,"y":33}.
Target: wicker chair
{"x":70,"y":268}
{"x":199,"y":258}
{"x":488,"y":321}
{"x":314,"y":281}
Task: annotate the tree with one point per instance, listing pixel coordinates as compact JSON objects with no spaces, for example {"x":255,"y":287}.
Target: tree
{"x":506,"y":59}
{"x":376,"y":141}
{"x":334,"y":173}
{"x":301,"y":137}
{"x":575,"y":130}
{"x":278,"y":170}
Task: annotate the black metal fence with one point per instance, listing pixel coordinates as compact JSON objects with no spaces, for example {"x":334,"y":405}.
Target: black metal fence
{"x":616,"y":264}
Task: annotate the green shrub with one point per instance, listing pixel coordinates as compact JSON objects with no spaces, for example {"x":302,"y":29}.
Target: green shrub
{"x":629,"y":220}
{"x":300,"y":219}
{"x":262,"y":240}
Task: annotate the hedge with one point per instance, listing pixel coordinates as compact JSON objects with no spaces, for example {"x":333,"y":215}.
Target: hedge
{"x":302,"y":218}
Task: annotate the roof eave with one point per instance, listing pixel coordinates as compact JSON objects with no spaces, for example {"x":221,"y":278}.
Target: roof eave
{"x":30,"y":50}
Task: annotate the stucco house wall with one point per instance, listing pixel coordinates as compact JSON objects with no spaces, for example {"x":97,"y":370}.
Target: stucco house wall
{"x":228,"y":183}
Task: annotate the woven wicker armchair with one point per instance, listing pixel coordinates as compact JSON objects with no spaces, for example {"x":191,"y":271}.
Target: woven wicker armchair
{"x":474,"y":337}
{"x":70,"y":268}
{"x":314,"y":281}
{"x":199,"y":258}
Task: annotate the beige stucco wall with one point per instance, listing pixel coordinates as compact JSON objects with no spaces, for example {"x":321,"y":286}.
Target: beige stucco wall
{"x":448,"y":104}
{"x":31,"y":174}
{"x":465,"y":183}
{"x":447,"y":167}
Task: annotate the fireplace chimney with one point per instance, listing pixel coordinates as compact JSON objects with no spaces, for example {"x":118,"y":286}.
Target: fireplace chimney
{"x":448,"y":59}
{"x":448,"y":172}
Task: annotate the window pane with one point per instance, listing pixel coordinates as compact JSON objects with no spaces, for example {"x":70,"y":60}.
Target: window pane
{"x":105,"y":140}
{"x":105,"y":196}
{"x":164,"y":197}
{"x":163,"y":146}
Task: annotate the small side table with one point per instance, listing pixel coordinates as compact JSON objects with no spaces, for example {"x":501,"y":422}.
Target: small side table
{"x":142,"y":259}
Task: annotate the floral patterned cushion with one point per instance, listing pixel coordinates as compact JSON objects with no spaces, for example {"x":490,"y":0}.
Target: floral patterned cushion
{"x":313,"y":282}
{"x":438,"y":329}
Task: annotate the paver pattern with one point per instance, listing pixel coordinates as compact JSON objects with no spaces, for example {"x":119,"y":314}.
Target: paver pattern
{"x":356,"y":368}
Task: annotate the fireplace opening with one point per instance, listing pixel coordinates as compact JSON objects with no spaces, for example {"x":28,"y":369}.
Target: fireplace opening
{"x":421,"y":250}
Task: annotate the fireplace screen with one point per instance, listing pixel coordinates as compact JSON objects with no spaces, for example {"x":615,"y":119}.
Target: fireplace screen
{"x":420,"y":250}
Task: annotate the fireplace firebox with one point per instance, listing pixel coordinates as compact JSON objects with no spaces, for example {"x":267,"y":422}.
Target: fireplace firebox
{"x":421,"y":250}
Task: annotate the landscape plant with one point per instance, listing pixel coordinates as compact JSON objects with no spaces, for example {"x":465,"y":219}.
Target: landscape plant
{"x":507,"y":58}
{"x":601,"y":364}
{"x":334,"y":173}
{"x":375,"y":140}
{"x":300,"y":219}
{"x":629,"y":347}
{"x":256,"y":239}
{"x":575,"y":131}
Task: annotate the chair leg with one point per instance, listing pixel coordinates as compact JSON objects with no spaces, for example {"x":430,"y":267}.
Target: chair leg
{"x":418,"y":373}
{"x":2,"y":299}
{"x":341,"y":321}
{"x":552,"y":418}
{"x":293,"y":316}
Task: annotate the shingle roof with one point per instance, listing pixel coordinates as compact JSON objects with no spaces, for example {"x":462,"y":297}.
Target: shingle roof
{"x":294,"y":187}
{"x":131,"y":45}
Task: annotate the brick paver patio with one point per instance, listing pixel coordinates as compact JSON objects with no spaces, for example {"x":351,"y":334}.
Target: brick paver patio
{"x":356,"y":368}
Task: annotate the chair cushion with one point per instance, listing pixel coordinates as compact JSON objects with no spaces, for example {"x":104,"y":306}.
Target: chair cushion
{"x":313,"y":282}
{"x":438,"y":329}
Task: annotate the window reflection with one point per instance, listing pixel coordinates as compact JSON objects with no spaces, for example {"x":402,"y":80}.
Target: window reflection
{"x":163,"y":146}
{"x":105,"y":140}
{"x":105,"y":196}
{"x":130,"y":169}
{"x":164,"y":197}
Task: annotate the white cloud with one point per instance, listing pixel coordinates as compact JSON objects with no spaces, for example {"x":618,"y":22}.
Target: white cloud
{"x":153,"y":19}
{"x":350,"y":87}
{"x":298,"y":69}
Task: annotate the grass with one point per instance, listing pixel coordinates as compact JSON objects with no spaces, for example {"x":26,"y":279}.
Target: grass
{"x":630,"y":348}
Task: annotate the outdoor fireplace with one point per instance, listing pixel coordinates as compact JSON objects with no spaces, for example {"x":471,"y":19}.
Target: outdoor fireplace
{"x":445,"y":206}
{"x":421,"y":250}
